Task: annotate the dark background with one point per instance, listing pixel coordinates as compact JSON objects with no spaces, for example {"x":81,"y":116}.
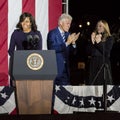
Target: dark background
{"x":100,"y":8}
{"x":92,"y":11}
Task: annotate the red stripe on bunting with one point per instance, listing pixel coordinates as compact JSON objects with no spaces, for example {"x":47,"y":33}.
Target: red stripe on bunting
{"x":28,"y":6}
{"x":55,"y":10}
{"x":3,"y":43}
{"x":14,"y":112}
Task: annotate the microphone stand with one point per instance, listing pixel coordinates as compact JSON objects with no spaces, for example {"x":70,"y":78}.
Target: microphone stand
{"x":103,"y":67}
{"x":106,"y":70}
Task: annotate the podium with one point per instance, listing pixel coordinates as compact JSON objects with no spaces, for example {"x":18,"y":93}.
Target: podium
{"x":34,"y":72}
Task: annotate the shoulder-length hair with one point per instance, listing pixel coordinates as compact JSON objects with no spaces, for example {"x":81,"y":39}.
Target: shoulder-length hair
{"x":32,"y":21}
{"x":106,"y":27}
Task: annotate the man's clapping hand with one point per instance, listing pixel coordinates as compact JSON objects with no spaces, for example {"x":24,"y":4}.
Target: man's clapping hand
{"x":72,"y":38}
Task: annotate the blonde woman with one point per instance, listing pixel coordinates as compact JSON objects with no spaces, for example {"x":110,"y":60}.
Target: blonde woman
{"x":101,"y":45}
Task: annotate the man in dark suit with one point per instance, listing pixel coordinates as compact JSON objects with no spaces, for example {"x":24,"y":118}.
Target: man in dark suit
{"x":60,"y":40}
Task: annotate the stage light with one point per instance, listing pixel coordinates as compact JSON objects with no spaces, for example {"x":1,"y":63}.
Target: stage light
{"x":80,"y":25}
{"x":88,"y":23}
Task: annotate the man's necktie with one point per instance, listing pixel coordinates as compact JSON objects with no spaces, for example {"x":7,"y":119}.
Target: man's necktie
{"x":63,"y":36}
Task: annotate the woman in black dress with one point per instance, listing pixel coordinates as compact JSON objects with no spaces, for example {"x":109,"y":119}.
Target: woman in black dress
{"x":101,"y":45}
{"x":26,"y":36}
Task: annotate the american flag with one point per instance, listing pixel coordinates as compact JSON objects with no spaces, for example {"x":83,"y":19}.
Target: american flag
{"x":46,"y":13}
{"x":70,"y":99}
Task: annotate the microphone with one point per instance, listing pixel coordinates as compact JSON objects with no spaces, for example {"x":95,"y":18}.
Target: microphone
{"x":36,"y":38}
{"x":35,"y":41}
{"x":31,"y":43}
{"x":102,"y":33}
{"x":29,"y":38}
{"x":27,"y":43}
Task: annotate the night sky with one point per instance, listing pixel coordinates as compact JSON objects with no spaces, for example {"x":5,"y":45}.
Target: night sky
{"x":94,"y":10}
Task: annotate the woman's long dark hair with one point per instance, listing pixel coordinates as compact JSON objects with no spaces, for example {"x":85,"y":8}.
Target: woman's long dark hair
{"x":32,"y":21}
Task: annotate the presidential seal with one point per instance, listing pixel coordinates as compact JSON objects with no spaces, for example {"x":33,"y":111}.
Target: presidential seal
{"x":35,"y":61}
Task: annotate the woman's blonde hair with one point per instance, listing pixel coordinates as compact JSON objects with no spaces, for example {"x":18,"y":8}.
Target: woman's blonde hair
{"x":106,"y":27}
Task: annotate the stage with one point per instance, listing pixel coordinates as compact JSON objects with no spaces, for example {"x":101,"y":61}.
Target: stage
{"x":76,"y":116}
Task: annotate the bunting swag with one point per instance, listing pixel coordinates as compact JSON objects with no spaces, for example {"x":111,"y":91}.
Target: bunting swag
{"x":46,"y":13}
{"x":7,"y":100}
{"x":69,"y":99}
